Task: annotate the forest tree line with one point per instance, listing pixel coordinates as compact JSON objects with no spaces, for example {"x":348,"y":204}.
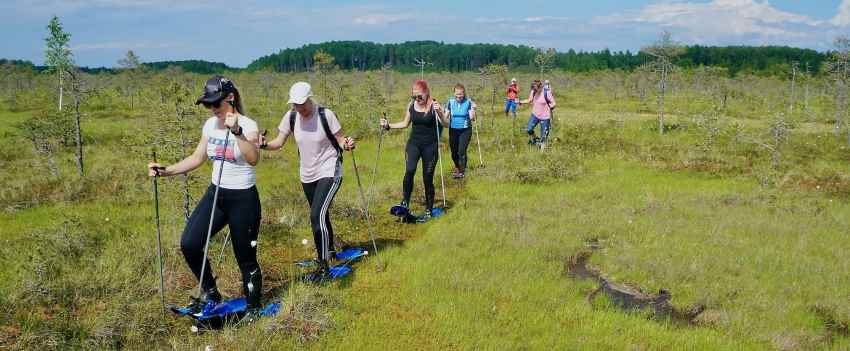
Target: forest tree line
{"x":441,"y":57}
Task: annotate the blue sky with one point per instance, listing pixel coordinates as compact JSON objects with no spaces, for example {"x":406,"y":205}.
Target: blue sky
{"x":236,"y":32}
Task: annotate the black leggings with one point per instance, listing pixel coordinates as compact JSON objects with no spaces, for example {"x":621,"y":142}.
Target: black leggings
{"x":428,"y":154}
{"x":320,"y":194}
{"x":459,"y":142}
{"x":240,"y":209}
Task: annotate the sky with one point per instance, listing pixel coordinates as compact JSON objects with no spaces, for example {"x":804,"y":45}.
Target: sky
{"x":237,"y":32}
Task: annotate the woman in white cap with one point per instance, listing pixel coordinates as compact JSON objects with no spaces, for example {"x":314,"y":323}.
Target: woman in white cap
{"x":320,"y":140}
{"x":229,"y":139}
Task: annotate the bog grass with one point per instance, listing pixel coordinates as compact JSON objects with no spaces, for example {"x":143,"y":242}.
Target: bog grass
{"x":762,"y":247}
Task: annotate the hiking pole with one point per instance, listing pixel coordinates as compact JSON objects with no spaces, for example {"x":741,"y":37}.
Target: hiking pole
{"x":227,"y":236}
{"x":478,"y":140}
{"x":158,"y":235}
{"x":223,"y":246}
{"x":437,"y":129}
{"x":212,"y":212}
{"x":366,"y":210}
{"x":377,"y":160}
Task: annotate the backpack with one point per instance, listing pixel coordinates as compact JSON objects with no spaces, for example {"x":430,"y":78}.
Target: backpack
{"x":546,"y":96}
{"x":325,"y":126}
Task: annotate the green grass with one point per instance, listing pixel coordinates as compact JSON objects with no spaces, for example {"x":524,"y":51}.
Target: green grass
{"x":762,"y":248}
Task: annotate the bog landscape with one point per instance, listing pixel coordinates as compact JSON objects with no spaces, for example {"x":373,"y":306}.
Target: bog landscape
{"x":688,"y":197}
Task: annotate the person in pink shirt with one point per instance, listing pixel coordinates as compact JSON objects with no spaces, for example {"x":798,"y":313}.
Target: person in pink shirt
{"x":512,"y":98}
{"x":542,"y":102}
{"x":320,"y":140}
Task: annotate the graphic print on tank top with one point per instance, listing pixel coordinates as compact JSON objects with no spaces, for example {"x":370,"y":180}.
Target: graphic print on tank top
{"x":218,"y":153}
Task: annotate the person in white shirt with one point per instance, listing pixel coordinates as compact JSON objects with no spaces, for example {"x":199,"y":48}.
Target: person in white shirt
{"x":320,"y":140}
{"x":229,"y":139}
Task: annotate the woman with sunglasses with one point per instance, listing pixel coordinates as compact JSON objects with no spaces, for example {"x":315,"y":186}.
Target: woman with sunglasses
{"x":423,"y":142}
{"x":229,"y":140}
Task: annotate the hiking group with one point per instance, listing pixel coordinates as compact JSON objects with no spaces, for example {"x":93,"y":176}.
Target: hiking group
{"x":232,"y":141}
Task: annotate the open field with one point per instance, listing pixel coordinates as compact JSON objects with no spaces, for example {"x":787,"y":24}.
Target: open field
{"x":739,"y":210}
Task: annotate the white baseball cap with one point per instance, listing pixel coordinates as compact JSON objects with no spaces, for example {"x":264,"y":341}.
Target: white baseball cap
{"x":299,"y":92}
{"x":513,"y":79}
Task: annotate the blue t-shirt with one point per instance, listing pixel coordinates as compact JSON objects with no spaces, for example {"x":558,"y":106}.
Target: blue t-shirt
{"x":460,"y":112}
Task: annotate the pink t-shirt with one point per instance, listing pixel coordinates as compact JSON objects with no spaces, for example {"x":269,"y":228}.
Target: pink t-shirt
{"x":539,"y":107}
{"x":318,"y":156}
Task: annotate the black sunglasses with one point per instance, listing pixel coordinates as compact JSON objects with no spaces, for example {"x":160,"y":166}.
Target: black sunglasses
{"x":214,"y":104}
{"x":418,"y":97}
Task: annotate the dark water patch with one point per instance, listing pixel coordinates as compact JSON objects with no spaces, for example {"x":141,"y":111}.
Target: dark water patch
{"x":629,"y":298}
{"x":835,"y":327}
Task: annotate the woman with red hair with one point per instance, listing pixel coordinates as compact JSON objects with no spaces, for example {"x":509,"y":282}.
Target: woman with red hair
{"x":423,"y":112}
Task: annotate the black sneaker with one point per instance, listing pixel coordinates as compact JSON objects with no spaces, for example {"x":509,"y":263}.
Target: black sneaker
{"x":251,"y":315}
{"x":205,"y":303}
{"x":424,"y":218}
{"x":400,"y":210}
{"x":321,"y":273}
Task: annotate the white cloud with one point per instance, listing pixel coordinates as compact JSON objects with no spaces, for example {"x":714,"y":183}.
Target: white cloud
{"x":381,"y":19}
{"x":508,"y":21}
{"x":719,"y":18}
{"x":842,"y":18}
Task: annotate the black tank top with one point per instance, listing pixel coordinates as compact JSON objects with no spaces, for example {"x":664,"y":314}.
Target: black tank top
{"x":424,"y":127}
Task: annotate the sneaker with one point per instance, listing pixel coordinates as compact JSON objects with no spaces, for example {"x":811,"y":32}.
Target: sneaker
{"x":205,"y":303}
{"x":401,"y":209}
{"x":424,"y":218}
{"x":251,"y":315}
{"x":320,"y":274}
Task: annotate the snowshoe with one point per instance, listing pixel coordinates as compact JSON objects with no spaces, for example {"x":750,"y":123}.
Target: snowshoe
{"x":226,"y":312}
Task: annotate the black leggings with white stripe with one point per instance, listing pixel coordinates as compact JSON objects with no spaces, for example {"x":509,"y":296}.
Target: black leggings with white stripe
{"x":320,"y":194}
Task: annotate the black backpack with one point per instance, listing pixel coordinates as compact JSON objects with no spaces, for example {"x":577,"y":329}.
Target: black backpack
{"x":325,"y":126}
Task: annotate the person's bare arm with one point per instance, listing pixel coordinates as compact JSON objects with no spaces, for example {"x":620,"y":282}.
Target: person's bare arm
{"x":186,"y":165}
{"x":444,"y":117}
{"x":404,"y":123}
{"x":276,"y":143}
{"x":346,"y":143}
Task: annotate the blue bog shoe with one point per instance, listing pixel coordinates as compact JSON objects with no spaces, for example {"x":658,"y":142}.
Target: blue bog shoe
{"x":204,"y":304}
{"x":400,"y":210}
